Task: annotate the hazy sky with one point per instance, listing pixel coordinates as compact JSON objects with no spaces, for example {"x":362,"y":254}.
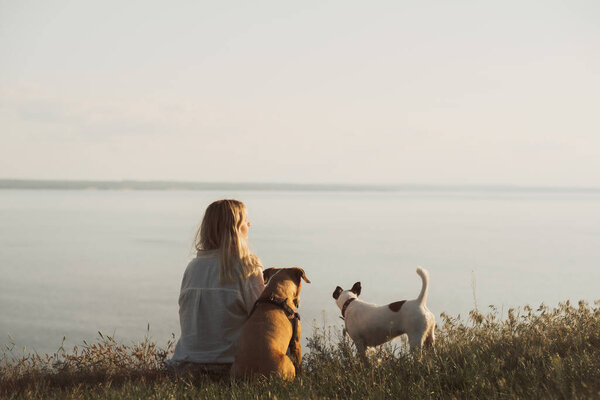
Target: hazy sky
{"x":498,"y":92}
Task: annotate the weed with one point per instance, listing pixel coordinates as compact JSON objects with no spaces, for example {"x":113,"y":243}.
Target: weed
{"x":541,"y":353}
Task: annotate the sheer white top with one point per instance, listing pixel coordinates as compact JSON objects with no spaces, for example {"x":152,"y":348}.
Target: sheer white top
{"x":211,"y":315}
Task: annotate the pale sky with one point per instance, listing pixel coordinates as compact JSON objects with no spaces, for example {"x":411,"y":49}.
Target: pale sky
{"x":433,"y":92}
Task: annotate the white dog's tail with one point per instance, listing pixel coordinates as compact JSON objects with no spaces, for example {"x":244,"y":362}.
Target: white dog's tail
{"x":422,"y":272}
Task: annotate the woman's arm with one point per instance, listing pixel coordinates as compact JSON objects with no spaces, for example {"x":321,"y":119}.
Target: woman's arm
{"x":252,"y":288}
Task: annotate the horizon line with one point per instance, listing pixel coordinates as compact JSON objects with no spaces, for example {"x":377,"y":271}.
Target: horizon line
{"x":134,"y":184}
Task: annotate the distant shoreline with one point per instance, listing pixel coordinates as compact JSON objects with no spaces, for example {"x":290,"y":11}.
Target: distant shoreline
{"x":34,"y":184}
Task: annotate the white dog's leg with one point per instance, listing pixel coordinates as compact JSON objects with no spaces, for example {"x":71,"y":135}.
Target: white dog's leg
{"x":430,"y":338}
{"x":361,"y":349}
{"x":415,"y":340}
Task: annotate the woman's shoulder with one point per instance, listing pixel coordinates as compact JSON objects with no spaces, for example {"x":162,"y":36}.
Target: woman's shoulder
{"x":202,"y":266}
{"x":202,"y":254}
{"x":203,"y":259}
{"x":253,"y":279}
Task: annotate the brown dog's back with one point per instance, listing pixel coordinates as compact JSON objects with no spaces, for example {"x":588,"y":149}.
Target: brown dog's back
{"x":262,"y":346}
{"x":264,"y":340}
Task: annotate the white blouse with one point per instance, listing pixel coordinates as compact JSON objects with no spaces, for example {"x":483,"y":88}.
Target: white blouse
{"x":211,"y":315}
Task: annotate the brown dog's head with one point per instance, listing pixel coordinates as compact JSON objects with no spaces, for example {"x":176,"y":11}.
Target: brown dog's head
{"x":287,"y":280}
{"x":268,"y":273}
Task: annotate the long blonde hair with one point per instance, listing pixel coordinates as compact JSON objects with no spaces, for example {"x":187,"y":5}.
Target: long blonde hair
{"x":221,"y":230}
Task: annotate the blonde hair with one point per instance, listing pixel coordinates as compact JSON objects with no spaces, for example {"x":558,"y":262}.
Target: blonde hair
{"x":221,"y":230}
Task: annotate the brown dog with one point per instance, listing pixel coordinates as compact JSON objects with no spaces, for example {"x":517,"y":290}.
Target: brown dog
{"x":265,"y":337}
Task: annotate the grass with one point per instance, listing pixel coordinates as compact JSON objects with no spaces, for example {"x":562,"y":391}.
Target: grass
{"x":541,"y":353}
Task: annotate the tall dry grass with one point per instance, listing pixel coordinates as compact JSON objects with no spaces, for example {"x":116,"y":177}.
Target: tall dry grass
{"x":530,"y":353}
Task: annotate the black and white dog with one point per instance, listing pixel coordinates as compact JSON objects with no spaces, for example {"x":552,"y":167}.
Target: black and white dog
{"x":372,"y":325}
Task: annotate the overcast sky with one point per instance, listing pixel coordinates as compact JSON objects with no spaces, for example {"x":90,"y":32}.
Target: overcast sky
{"x":448,"y":92}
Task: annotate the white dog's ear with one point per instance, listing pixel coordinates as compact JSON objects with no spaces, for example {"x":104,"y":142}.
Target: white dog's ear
{"x":356,"y":288}
{"x":336,"y":293}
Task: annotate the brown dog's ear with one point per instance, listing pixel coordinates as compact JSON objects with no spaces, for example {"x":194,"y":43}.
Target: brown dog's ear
{"x":356,"y":288}
{"x":336,"y":293}
{"x":301,"y":274}
{"x":268,"y":273}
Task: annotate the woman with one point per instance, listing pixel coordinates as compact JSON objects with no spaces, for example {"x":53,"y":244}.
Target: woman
{"x":219,"y":289}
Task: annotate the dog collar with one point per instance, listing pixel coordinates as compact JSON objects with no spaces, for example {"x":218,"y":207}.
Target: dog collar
{"x":345,"y":306}
{"x":281,"y":303}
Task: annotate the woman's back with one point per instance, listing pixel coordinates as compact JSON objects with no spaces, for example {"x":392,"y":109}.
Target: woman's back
{"x":211,"y":314}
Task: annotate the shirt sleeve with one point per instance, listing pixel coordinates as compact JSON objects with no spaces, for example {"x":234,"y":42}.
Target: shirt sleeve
{"x":252,"y":288}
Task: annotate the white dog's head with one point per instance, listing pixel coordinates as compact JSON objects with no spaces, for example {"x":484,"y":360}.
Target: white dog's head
{"x":341,"y":296}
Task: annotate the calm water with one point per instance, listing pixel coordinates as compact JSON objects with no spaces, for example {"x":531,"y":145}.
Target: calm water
{"x":76,"y":262}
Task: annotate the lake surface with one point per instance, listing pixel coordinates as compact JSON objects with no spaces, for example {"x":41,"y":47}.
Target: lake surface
{"x":76,"y":262}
